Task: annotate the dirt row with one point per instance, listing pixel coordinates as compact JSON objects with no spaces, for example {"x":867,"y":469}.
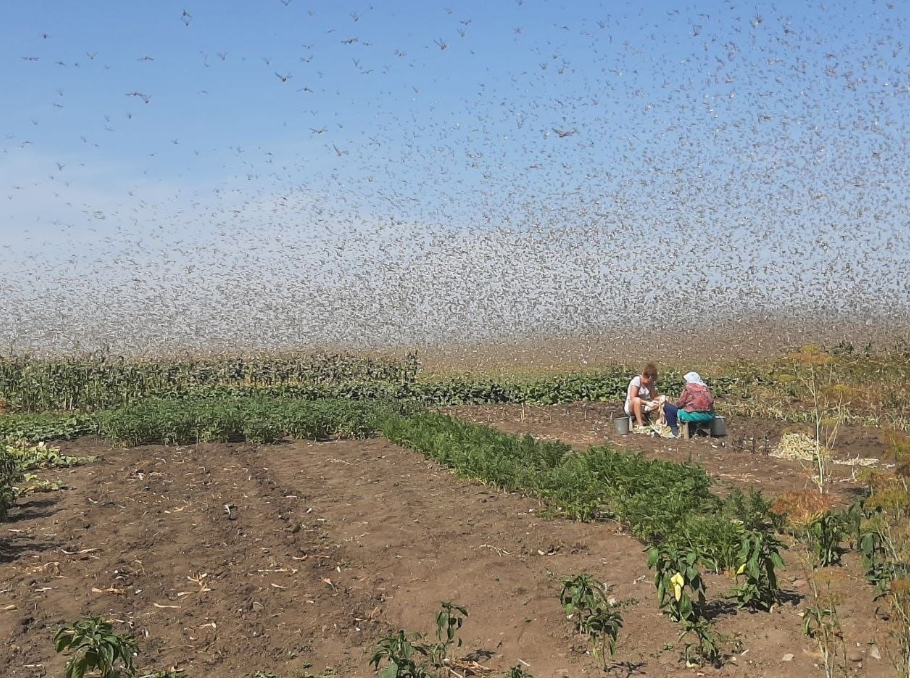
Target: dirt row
{"x":296,"y":558}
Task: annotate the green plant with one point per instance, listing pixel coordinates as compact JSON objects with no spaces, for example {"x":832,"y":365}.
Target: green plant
{"x":754,"y":511}
{"x":448,"y":621}
{"x":517,"y":672}
{"x":677,"y":579}
{"x":651,"y":497}
{"x":825,"y":535}
{"x":585,"y":602}
{"x":101,"y":381}
{"x":32,"y":484}
{"x":708,"y":642}
{"x":10,"y":474}
{"x":46,"y":426}
{"x":96,"y":647}
{"x":681,"y":595}
{"x":758,"y":556}
{"x":257,"y":419}
{"x":400,"y":653}
{"x":822,"y":624}
{"x":31,"y":457}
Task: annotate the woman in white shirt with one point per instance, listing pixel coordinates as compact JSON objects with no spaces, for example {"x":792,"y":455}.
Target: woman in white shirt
{"x":642,"y":396}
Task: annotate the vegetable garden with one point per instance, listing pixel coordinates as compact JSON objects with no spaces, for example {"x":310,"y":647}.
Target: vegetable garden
{"x":712,"y":561}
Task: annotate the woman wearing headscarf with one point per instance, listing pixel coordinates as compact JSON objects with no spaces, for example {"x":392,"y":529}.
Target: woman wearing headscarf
{"x":695,"y":403}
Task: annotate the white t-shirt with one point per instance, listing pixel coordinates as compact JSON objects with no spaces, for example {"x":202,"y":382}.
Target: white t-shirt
{"x":643,"y":392}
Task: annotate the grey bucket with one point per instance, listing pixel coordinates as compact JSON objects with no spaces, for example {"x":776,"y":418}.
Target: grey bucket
{"x":621,"y":424}
{"x":719,"y":426}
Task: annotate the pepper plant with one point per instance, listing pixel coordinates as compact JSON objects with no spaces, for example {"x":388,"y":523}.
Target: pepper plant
{"x":585,"y":603}
{"x":759,"y":555}
{"x":97,"y":648}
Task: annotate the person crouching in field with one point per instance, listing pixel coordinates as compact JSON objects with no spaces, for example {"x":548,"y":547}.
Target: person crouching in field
{"x":695,"y":403}
{"x":643,"y":399}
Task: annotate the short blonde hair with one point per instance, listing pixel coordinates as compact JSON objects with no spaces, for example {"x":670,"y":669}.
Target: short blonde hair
{"x":650,"y":371}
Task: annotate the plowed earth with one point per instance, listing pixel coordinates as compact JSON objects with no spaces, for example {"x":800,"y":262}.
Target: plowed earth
{"x":295,"y":558}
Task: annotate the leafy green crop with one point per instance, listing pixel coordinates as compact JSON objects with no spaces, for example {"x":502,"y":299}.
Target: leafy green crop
{"x":654,"y":498}
{"x":97,"y":648}
{"x":681,"y":595}
{"x":47,"y":426}
{"x":405,"y":653}
{"x":31,"y":457}
{"x":759,"y":555}
{"x":10,"y":474}
{"x":102,"y":381}
{"x":259,"y":420}
{"x":585,"y":603}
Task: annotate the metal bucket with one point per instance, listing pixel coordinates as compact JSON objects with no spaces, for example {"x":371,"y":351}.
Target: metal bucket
{"x":719,"y":427}
{"x":621,"y":424}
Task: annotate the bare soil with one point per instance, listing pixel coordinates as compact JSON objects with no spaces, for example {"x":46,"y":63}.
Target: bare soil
{"x":294,"y":558}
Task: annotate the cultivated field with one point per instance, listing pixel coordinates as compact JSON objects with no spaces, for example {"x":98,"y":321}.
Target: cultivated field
{"x":294,"y":524}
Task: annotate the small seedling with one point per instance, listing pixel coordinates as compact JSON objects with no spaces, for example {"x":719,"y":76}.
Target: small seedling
{"x":586,"y":605}
{"x":96,"y":647}
{"x":448,"y":621}
{"x":400,"y":651}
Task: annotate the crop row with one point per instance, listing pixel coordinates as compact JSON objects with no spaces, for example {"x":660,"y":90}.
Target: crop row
{"x":184,"y":421}
{"x":656,"y":500}
{"x":546,"y":390}
{"x":97,"y":382}
{"x":257,"y":420}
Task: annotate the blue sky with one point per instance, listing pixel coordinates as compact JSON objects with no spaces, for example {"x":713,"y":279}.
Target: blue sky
{"x":349,"y":137}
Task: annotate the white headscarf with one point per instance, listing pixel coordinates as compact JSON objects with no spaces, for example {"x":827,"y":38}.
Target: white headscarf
{"x":693,"y":378}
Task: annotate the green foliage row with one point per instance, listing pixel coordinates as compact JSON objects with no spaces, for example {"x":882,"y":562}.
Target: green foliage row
{"x":101,"y":381}
{"x":47,"y":426}
{"x":594,"y":386}
{"x":259,"y":420}
{"x":31,"y":457}
{"x":668,"y":505}
{"x":658,"y":500}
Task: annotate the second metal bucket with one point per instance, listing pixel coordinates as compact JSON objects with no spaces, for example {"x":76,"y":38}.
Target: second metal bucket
{"x":719,"y":427}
